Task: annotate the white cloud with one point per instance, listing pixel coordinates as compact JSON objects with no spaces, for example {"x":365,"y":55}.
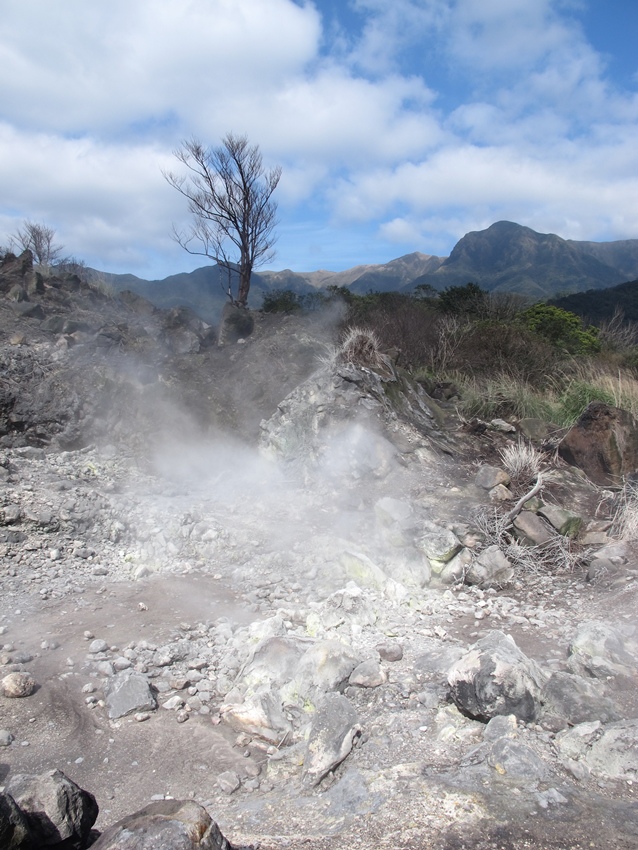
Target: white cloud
{"x":525,"y":125}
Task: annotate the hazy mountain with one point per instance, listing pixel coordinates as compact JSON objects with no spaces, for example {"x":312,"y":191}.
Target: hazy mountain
{"x":505,"y":257}
{"x":508,"y":257}
{"x":385,"y":277}
{"x":204,"y":290}
{"x":621,"y":255}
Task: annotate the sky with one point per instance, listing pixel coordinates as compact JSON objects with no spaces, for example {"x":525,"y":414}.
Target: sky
{"x":400,"y":125}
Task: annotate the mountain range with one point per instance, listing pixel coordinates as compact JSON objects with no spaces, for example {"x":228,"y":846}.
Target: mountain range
{"x":505,"y":257}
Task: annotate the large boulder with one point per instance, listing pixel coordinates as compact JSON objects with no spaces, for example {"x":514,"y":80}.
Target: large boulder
{"x":495,"y":677}
{"x":55,"y":808}
{"x":603,"y":443}
{"x":165,"y":825}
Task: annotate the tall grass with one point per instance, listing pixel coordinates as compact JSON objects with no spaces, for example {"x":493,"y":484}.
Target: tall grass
{"x":561,"y":402}
{"x":502,"y":395}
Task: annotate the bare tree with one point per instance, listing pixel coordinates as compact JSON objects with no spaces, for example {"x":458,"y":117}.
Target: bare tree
{"x":39,"y":239}
{"x":229,"y":195}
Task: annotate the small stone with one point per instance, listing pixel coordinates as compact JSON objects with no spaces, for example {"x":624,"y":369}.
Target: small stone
{"x":141,"y":716}
{"x":390,"y":651}
{"x":368,"y":674}
{"x":228,"y":782}
{"x":182,"y":716}
{"x":98,"y":646}
{"x":173,"y":703}
{"x":105,"y":668}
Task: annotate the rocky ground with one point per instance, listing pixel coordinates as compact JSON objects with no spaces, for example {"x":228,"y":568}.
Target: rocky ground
{"x":253,"y":576}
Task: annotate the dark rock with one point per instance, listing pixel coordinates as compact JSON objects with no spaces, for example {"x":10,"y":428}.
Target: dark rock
{"x":165,"y":825}
{"x":16,"y":270}
{"x":495,"y":677}
{"x":603,"y":443}
{"x":236,"y":323}
{"x":28,"y":310}
{"x":14,"y":829}
{"x":55,"y":808}
{"x":576,"y":700}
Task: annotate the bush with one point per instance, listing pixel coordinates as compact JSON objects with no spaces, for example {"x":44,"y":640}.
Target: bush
{"x":468,"y":300}
{"x":561,"y":328}
{"x":281,"y":301}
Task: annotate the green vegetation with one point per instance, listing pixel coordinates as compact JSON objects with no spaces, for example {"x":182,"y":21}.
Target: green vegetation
{"x":563,"y":329}
{"x":503,"y":357}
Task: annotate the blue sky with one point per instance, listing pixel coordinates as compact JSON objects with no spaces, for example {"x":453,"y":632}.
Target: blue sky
{"x":400,"y":124}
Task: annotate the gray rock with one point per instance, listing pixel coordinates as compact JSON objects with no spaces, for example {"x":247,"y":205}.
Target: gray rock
{"x":533,"y":528}
{"x":390,"y":512}
{"x":607,"y":751}
{"x":576,"y":700}
{"x":56,"y":809}
{"x":615,"y":753}
{"x":513,"y":759}
{"x":17,"y":685}
{"x":501,"y":726}
{"x":228,"y":781}
{"x":599,"y":650}
{"x":128,"y":692}
{"x":490,"y":569}
{"x":326,"y":666}
{"x":489,"y":477}
{"x":274,"y":662}
{"x":260,"y":716}
{"x":438,"y":543}
{"x":5,"y":738}
{"x":174,"y":824}
{"x":98,"y":645}
{"x":500,"y":493}
{"x":333,"y":730}
{"x":438,"y":658}
{"x":361,"y":569}
{"x":368,"y":674}
{"x":390,"y":650}
{"x":564,"y":522}
{"x":495,"y":677}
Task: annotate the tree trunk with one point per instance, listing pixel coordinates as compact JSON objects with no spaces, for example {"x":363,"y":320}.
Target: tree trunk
{"x":244,"y":285}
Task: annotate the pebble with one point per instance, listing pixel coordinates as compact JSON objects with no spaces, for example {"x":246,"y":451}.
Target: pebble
{"x":5,"y":738}
{"x":98,"y":646}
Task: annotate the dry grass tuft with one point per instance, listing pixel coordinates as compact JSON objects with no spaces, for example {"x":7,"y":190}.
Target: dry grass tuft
{"x":361,"y":347}
{"x":522,"y":461}
{"x":625,"y":523}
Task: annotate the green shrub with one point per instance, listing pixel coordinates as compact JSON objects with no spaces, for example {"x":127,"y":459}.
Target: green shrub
{"x":561,"y":328}
{"x":468,"y":300}
{"x":281,"y":301}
